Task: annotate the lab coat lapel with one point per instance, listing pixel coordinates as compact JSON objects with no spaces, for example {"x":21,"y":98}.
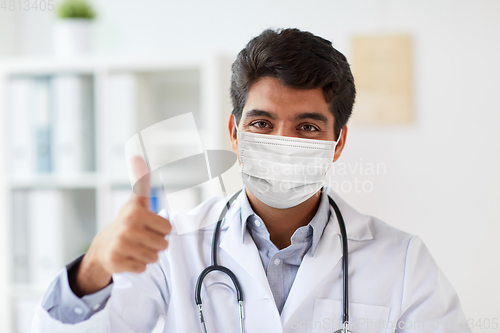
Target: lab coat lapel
{"x":244,"y":253}
{"x":314,"y":269}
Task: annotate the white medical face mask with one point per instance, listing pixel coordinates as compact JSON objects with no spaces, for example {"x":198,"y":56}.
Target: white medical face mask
{"x":281,"y":171}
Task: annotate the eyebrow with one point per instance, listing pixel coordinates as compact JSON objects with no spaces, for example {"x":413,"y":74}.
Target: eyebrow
{"x":306,"y":115}
{"x":312,"y":115}
{"x":259,"y":113}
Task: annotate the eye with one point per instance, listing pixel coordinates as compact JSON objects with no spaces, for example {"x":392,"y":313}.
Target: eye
{"x":260,"y":124}
{"x":309,"y":128}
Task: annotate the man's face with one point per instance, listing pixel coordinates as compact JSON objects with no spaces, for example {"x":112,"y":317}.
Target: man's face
{"x":274,"y":109}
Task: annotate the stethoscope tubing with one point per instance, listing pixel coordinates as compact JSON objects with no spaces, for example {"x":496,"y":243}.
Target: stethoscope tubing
{"x":216,"y":267}
{"x":345,"y":269}
{"x":239,"y":295}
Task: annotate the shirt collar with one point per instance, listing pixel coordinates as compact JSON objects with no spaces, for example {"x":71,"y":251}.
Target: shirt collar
{"x":318,"y":222}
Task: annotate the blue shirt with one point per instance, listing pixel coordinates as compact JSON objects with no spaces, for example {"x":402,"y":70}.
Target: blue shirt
{"x":281,"y":266}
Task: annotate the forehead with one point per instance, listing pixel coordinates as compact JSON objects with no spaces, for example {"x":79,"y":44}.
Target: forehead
{"x":270,"y":95}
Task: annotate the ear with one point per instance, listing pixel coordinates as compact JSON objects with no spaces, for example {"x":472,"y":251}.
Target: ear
{"x":232,"y":135}
{"x":341,"y":143}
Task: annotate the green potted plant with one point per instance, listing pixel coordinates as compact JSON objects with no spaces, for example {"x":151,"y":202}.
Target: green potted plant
{"x":71,"y":31}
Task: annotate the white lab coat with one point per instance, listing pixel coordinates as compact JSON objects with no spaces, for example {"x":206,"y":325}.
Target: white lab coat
{"x":394,"y":283}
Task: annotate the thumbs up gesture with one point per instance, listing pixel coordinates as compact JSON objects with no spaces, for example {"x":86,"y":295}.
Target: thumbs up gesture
{"x":127,"y":244}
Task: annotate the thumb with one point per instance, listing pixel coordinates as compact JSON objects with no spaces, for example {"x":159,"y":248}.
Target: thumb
{"x":142,"y":186}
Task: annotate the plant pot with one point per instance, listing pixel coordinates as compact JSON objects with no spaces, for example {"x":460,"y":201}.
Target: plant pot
{"x":71,"y":37}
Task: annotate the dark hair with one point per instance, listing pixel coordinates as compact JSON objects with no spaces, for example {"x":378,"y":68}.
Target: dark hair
{"x":300,"y":60}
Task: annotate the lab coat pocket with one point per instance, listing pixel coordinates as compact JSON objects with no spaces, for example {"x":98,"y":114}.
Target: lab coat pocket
{"x":363,"y":318}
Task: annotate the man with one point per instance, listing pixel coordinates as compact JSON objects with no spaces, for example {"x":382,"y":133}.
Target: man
{"x":292,"y":95}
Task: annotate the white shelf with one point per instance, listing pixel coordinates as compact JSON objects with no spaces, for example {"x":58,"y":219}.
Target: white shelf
{"x":88,"y":180}
{"x":92,"y":64}
{"x":84,"y":181}
{"x":197,"y":85}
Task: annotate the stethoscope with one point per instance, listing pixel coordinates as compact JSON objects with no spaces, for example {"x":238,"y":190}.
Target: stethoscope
{"x":239,"y":297}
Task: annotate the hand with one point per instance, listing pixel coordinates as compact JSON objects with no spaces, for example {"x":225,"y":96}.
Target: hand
{"x":128,"y":244}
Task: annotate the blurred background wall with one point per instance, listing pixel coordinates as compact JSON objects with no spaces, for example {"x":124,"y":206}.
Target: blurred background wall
{"x":442,"y":171}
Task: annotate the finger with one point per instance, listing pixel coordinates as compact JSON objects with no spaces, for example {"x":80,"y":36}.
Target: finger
{"x":157,"y":224}
{"x":148,"y":239}
{"x":129,"y":264}
{"x":138,"y":252}
{"x":141,"y":188}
